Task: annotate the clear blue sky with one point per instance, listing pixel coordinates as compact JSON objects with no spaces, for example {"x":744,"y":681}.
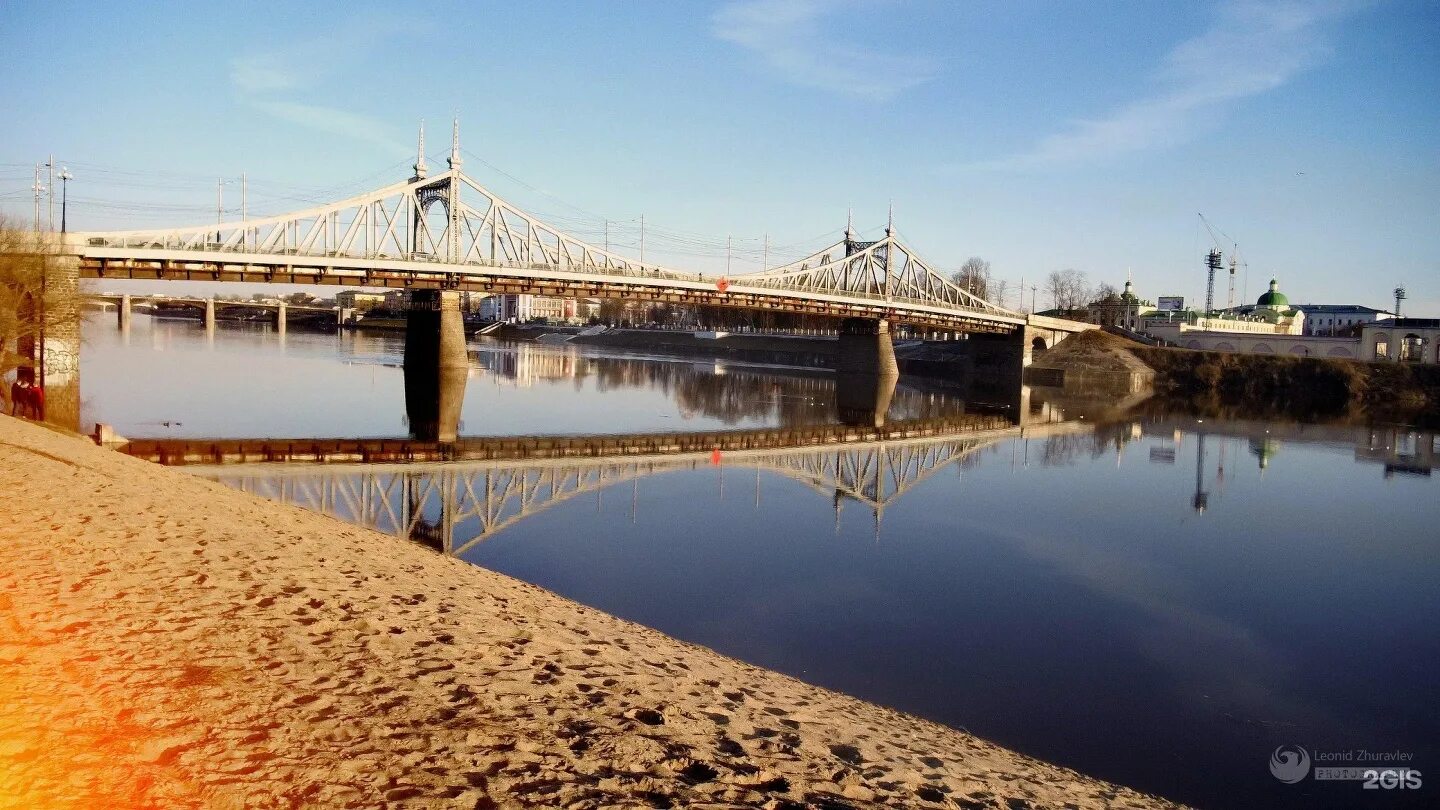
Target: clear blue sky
{"x":1036,"y":135}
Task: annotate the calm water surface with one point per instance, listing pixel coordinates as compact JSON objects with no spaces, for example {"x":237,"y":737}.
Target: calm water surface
{"x":1061,"y":595}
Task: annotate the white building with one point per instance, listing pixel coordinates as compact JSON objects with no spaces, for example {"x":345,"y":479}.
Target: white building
{"x":1402,"y":340}
{"x":1269,"y":324}
{"x":1335,"y":319}
{"x":524,"y":308}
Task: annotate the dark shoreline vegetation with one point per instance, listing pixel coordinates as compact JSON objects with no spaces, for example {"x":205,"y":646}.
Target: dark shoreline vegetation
{"x":1309,"y":388}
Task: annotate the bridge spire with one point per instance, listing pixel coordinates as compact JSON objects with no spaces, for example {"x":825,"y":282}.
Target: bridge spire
{"x":849,"y":224}
{"x":890,"y":223}
{"x":454,"y":159}
{"x":420,"y":168}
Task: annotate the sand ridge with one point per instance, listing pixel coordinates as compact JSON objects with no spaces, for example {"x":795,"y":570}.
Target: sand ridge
{"x":168,"y":642}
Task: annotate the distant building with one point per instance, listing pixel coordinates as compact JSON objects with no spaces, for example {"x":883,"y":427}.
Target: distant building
{"x":1268,"y":326}
{"x":1270,"y":315}
{"x":359,"y":300}
{"x":523,"y":308}
{"x":1402,"y":340}
{"x":1339,"y":319}
{"x":1123,"y":310}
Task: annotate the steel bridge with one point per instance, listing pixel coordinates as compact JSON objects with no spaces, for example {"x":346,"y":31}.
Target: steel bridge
{"x":390,"y":238}
{"x":454,"y":506}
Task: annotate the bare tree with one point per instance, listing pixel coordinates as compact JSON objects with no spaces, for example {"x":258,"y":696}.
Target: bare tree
{"x":998,"y":289}
{"x":973,"y":277}
{"x":27,"y":262}
{"x":1068,"y":289}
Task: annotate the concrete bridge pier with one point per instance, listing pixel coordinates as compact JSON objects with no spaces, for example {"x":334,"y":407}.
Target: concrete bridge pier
{"x":123,"y":313}
{"x":280,"y":318}
{"x":436,"y":365}
{"x":210,"y":315}
{"x":865,"y":348}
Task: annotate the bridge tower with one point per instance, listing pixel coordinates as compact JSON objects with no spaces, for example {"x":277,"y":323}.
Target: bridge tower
{"x":452,"y":200}
{"x":435,"y":357}
{"x":865,"y":359}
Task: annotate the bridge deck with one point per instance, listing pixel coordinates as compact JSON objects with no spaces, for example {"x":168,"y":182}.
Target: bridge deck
{"x":538,"y":448}
{"x":697,"y":291}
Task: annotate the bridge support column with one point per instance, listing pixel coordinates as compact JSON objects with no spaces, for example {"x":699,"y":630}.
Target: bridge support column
{"x":123,"y":313}
{"x":210,"y":315}
{"x":435,"y":365}
{"x":280,"y":318}
{"x":866,"y":348}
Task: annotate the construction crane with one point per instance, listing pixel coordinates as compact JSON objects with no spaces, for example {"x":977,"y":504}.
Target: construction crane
{"x":1213,"y":262}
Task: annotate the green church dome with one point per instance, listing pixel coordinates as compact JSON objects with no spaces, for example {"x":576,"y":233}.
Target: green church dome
{"x":1274,"y":298}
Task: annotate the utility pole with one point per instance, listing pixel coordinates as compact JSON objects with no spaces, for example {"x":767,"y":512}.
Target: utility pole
{"x":244,"y":211}
{"x":1033,"y":288}
{"x":219,"y":200}
{"x":727,"y":257}
{"x":1020,"y":305}
{"x":642,"y":240}
{"x":607,"y":236}
{"x":51,"y":166}
{"x":37,"y":188}
{"x":765,"y":255}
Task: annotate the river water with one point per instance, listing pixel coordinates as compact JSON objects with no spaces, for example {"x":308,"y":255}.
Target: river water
{"x":1162,"y":601}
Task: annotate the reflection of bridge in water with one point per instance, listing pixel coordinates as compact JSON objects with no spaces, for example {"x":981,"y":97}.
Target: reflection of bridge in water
{"x":489,"y":485}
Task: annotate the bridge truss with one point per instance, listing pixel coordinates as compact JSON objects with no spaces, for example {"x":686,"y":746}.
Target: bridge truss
{"x":449,"y":231}
{"x":455,"y":507}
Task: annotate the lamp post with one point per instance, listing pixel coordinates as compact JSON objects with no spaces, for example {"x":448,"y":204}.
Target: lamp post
{"x":65,"y":178}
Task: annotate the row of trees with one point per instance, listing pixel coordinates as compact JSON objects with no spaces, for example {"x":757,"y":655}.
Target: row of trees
{"x":1067,"y":289}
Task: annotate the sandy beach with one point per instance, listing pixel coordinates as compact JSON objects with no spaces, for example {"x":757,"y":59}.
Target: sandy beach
{"x":168,"y":642}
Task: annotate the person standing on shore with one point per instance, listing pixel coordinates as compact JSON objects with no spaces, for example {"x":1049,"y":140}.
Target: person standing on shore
{"x":37,"y":402}
{"x":19,"y":396}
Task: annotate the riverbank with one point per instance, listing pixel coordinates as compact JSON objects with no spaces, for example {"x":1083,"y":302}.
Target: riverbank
{"x":1255,"y":385}
{"x":170,"y":642}
{"x":1262,"y":384}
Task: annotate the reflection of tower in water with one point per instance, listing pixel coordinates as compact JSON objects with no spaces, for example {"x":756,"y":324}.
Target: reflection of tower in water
{"x":863,"y":399}
{"x":1202,"y":498}
{"x":433,"y":398}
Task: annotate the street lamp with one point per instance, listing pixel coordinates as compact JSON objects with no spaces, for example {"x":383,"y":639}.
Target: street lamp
{"x":65,"y":178}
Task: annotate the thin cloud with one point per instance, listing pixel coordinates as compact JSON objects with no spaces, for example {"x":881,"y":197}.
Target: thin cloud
{"x":260,"y":73}
{"x":787,"y":37}
{"x":1253,"y":48}
{"x":336,"y":122}
{"x":270,"y":80}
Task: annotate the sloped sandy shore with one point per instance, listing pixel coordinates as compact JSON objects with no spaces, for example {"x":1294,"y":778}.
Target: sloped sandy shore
{"x":168,"y":642}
